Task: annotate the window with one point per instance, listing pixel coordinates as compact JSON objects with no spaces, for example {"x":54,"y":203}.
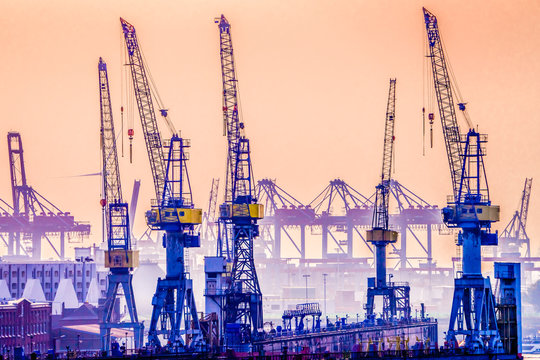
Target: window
{"x":22,"y":285}
{"x":56,"y":285}
{"x":47,"y":285}
{"x":13,"y":286}
{"x":87,"y":284}
{"x":23,"y":273}
{"x":47,"y":273}
{"x":479,"y":211}
{"x":79,"y":273}
{"x":56,"y":273}
{"x":13,"y":274}
{"x":102,"y":282}
{"x":39,"y":273}
{"x":70,"y":272}
{"x":87,"y":272}
{"x":79,"y":285}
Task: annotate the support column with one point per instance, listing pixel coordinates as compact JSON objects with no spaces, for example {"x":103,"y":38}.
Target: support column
{"x":349,"y":239}
{"x":62,"y":245}
{"x":276,"y":251}
{"x":403,"y":247}
{"x":302,"y":241}
{"x":324,"y":254}
{"x":36,"y":246}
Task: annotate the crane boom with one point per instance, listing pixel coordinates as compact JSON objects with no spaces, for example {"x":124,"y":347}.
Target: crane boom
{"x":447,"y":112}
{"x":233,"y":128}
{"x":145,"y":105}
{"x":112,"y":188}
{"x":380,"y":215}
{"x":524,"y":208}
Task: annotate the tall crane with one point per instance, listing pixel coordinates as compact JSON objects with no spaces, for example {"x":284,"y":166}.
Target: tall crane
{"x":119,"y":257}
{"x":240,"y":211}
{"x":470,"y":209}
{"x":395,"y":297}
{"x":209,"y":217}
{"x":514,"y":234}
{"x":174,"y":314}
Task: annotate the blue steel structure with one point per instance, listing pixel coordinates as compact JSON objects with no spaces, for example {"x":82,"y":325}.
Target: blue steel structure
{"x":119,"y":257}
{"x":239,"y":213}
{"x":174,"y":316}
{"x":395,"y":296}
{"x":469,"y":208}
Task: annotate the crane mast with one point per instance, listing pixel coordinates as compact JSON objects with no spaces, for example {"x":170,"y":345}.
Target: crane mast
{"x":395,"y":296}
{"x":239,"y":212}
{"x":174,"y":314}
{"x":473,"y":315}
{"x":119,"y":258}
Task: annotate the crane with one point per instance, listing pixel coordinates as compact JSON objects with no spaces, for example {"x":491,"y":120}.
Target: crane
{"x":209,"y":217}
{"x":469,"y":209}
{"x":174,"y":314}
{"x":119,"y":257}
{"x":240,"y":211}
{"x":396,"y":297}
{"x":514,"y":234}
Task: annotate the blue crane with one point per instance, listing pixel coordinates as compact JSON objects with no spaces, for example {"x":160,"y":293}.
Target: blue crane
{"x":396,"y":296}
{"x":174,"y":314}
{"x":239,"y":213}
{"x":119,"y":257}
{"x":473,"y":313}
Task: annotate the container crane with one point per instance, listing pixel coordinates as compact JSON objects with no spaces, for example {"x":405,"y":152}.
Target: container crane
{"x":174,"y":314}
{"x":396,"y":296}
{"x":119,"y":257}
{"x":240,"y":211}
{"x":514,"y":234}
{"x":469,"y":209}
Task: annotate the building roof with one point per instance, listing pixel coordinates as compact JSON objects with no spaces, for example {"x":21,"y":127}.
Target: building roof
{"x":33,"y":291}
{"x":94,"y":330}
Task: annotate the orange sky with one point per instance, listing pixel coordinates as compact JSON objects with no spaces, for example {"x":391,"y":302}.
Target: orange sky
{"x":313,"y":77}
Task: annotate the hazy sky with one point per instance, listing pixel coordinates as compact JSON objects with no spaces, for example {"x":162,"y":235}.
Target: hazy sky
{"x":313,"y":77}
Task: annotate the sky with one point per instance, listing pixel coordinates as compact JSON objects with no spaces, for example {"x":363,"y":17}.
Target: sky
{"x":313,"y":78}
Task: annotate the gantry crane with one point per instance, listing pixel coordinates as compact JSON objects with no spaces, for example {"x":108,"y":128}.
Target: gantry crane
{"x":174,"y":315}
{"x":514,"y":234}
{"x":239,"y":213}
{"x":470,"y":209}
{"x":395,"y":296}
{"x":119,"y":257}
{"x":41,"y":218}
{"x":209,"y":217}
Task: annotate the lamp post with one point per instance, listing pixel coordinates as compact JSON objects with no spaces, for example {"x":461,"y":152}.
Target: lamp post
{"x":324,"y":287}
{"x":306,"y":276}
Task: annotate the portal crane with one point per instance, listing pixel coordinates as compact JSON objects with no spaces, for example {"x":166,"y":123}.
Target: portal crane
{"x":119,"y":257}
{"x":174,"y":315}
{"x":514,"y":234}
{"x":239,"y":213}
{"x":470,"y":209}
{"x":395,"y":296}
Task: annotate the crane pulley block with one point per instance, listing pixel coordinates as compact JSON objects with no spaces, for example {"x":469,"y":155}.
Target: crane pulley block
{"x":122,"y":258}
{"x":232,"y":211}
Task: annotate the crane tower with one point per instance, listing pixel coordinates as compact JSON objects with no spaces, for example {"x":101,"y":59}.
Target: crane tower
{"x":119,"y":258}
{"x":240,"y":211}
{"x":473,"y":313}
{"x":174,"y":314}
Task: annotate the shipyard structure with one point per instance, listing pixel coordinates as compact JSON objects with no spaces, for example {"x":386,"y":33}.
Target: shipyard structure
{"x":91,"y":307}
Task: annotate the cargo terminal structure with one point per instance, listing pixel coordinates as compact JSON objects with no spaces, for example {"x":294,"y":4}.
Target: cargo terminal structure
{"x":256,"y":219}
